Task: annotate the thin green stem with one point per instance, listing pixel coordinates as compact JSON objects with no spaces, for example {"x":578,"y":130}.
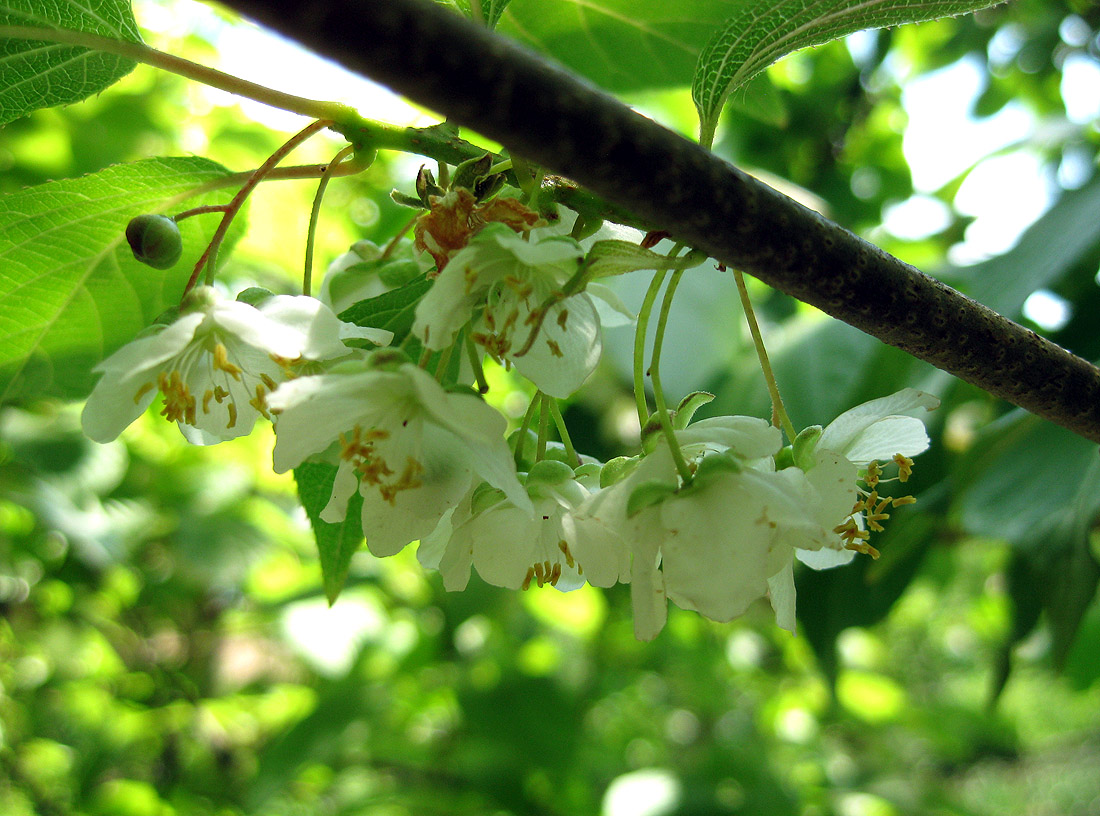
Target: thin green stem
{"x":210,"y":208}
{"x":210,"y":254}
{"x":639,"y":345}
{"x":475,"y":364}
{"x":138,"y":52}
{"x":444,"y":363}
{"x":544,"y":426}
{"x":779,"y":413}
{"x":525,"y":426}
{"x":655,"y":374}
{"x":563,"y":432}
{"x":314,"y":216}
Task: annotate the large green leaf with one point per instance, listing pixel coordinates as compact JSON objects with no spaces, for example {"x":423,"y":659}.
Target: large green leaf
{"x":622,"y":45}
{"x":757,"y":34}
{"x":36,"y":74}
{"x":71,"y":290}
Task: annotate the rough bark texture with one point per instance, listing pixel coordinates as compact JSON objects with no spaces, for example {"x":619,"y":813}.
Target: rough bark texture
{"x":548,"y":115}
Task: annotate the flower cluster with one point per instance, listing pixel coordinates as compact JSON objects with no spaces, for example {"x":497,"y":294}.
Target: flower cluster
{"x":711,"y":515}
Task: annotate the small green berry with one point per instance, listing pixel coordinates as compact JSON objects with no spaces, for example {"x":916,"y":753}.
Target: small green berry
{"x":155,"y":240}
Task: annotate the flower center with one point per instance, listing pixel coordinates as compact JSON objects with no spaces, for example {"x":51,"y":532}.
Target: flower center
{"x":548,"y":572}
{"x":360,"y":449}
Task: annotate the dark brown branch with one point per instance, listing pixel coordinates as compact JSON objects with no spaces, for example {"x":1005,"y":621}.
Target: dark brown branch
{"x":546,"y":114}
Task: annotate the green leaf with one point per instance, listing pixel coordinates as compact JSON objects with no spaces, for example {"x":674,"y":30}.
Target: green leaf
{"x":757,"y":34}
{"x":622,"y":45}
{"x":394,"y":310}
{"x":608,"y":258}
{"x":336,"y":543}
{"x":71,"y":289}
{"x":36,"y":74}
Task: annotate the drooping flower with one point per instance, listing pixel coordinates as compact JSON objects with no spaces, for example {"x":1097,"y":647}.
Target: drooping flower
{"x":501,"y":280}
{"x":710,"y":546}
{"x":216,"y":364}
{"x":852,"y":445}
{"x":409,"y":447}
{"x":512,"y":548}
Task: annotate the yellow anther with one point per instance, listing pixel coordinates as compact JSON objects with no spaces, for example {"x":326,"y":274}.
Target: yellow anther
{"x":862,"y":547}
{"x":555,"y":349}
{"x":900,"y":500}
{"x":555,"y":575}
{"x":221,"y":362}
{"x":141,"y":392}
{"x":259,"y":402}
{"x":270,"y":383}
{"x":564,"y":547}
{"x":874,"y":472}
{"x":562,"y":317}
{"x":232,"y":414}
{"x":209,"y":395}
{"x":220,"y":394}
{"x":527,"y":580}
{"x":905,"y":467}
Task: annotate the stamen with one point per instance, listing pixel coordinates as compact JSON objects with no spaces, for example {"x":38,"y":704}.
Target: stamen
{"x":905,"y":467}
{"x":564,"y":547}
{"x":527,"y":580}
{"x":141,"y":392}
{"x":221,"y":362}
{"x":874,"y":472}
{"x":232,"y":414}
{"x":555,"y":349}
{"x":562,"y":317}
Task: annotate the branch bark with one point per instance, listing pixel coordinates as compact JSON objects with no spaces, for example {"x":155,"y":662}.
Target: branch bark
{"x":548,"y":115}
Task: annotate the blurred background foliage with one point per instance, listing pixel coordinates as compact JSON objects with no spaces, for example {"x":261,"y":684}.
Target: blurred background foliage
{"x":166,"y":646}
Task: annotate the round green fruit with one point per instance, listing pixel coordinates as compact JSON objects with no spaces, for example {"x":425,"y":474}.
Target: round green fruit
{"x":155,"y":240}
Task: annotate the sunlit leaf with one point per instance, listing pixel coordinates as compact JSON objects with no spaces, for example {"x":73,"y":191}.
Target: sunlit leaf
{"x":36,"y":74}
{"x":757,"y":34}
{"x":336,"y":543}
{"x":71,"y":289}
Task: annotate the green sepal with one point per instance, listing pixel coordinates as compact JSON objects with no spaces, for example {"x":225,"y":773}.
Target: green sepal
{"x":589,"y":470}
{"x":530,"y":440}
{"x":470,"y":172}
{"x":652,"y":432}
{"x":687,"y":408}
{"x":617,"y":469}
{"x":804,"y":445}
{"x":646,"y":495}
{"x":484,"y":497}
{"x":549,"y":471}
{"x":714,"y":464}
{"x":255,"y":295}
{"x":407,"y":200}
{"x":785,"y":458}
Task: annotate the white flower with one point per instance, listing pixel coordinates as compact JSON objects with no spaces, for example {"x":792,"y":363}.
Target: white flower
{"x":511,"y":548}
{"x":509,"y":278}
{"x":215,"y":365}
{"x":880,"y":430}
{"x":412,"y":449}
{"x":713,"y":545}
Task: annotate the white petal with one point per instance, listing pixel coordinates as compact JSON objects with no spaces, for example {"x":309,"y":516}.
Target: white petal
{"x":825,"y":558}
{"x":647,"y":586}
{"x":748,"y":437}
{"x":843,"y":433}
{"x":343,"y":486}
{"x":781,"y":593}
{"x":609,"y":306}
{"x":449,"y":304}
{"x":883,"y":439}
{"x":560,"y":360}
{"x":251,"y":326}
